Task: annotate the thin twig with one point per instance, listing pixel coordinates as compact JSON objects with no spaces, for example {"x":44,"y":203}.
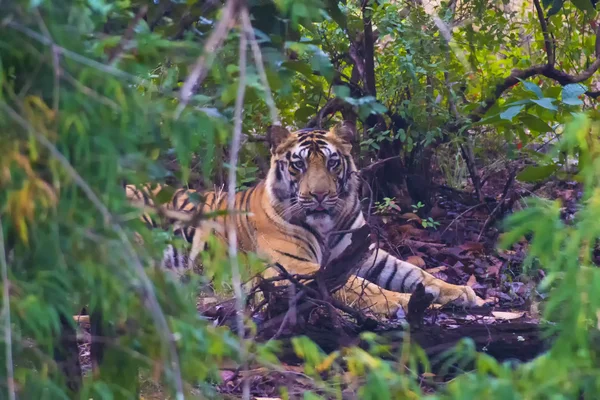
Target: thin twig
{"x":117,"y":52}
{"x":55,"y":63}
{"x":290,"y":315}
{"x":548,"y":43}
{"x":498,"y":208}
{"x":204,"y":61}
{"x":258,"y":61}
{"x":460,"y":215}
{"x":467,"y":152}
{"x":147,"y":290}
{"x":231,"y":225}
{"x":375,"y":165}
{"x":73,"y":55}
{"x":10,"y":383}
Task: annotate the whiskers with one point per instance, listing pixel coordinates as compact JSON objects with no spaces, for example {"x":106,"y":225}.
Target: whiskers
{"x":292,"y":210}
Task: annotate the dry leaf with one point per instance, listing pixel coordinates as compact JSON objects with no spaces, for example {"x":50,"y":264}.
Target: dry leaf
{"x":437,"y":269}
{"x":227,"y":375}
{"x":472,"y":247}
{"x":416,"y":260}
{"x":411,"y":217}
{"x":507,"y":315}
{"x":494,"y":270}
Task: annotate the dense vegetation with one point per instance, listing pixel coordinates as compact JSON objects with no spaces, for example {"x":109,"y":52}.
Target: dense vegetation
{"x":97,"y":93}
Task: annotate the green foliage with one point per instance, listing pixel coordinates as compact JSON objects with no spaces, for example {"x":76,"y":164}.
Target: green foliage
{"x":88,"y":102}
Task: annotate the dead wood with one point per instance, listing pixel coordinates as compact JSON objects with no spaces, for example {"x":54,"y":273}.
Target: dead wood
{"x":417,"y":305}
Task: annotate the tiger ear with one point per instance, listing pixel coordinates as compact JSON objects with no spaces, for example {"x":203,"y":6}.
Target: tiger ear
{"x":345,"y":130}
{"x":276,"y":135}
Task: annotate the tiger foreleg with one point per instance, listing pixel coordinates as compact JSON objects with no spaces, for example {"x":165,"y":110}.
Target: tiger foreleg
{"x":396,"y":275}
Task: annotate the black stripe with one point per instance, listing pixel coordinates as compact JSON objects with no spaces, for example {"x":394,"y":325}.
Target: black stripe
{"x":186,"y":201}
{"x":212,"y":200}
{"x":299,"y":238}
{"x":226,"y":215}
{"x":292,"y":256}
{"x":149,"y":221}
{"x":189,"y":234}
{"x":344,"y":227}
{"x":175,"y":257}
{"x":375,"y":271}
{"x":311,"y":230}
{"x":175,"y":199}
{"x":247,"y":205}
{"x":390,"y":279}
{"x":147,"y":200}
{"x":312,"y":249}
{"x":402,"y":288}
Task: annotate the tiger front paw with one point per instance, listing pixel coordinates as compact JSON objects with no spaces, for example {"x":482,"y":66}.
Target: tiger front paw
{"x":459,"y":295}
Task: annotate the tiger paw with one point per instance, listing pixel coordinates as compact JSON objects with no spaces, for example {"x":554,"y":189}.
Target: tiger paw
{"x":458,"y":295}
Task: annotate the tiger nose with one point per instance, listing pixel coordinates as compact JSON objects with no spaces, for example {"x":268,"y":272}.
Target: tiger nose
{"x":319,"y":196}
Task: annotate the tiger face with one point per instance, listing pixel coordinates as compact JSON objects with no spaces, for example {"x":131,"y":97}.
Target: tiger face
{"x":312,"y":171}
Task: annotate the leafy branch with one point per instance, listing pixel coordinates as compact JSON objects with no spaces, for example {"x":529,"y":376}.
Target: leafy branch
{"x":548,"y":70}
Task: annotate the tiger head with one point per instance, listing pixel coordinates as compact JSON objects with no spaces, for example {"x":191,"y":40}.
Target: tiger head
{"x":312,"y":173}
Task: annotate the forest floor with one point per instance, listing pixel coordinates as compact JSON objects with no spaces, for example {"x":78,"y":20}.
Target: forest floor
{"x":462,"y":249}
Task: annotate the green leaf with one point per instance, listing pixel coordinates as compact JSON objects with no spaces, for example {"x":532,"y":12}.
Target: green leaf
{"x":341,"y":91}
{"x":532,"y":87}
{"x":100,"y":6}
{"x":334,"y":12}
{"x":165,"y":195}
{"x":584,"y":5}
{"x":511,"y":112}
{"x":546,"y":3}
{"x":536,"y":173}
{"x":300,"y":67}
{"x":570,"y":94}
{"x":304,"y":113}
{"x":546,"y":102}
{"x":535,"y":123}
{"x":557,"y":5}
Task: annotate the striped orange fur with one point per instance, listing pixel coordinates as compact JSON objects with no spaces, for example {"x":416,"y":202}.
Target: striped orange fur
{"x":290,"y":218}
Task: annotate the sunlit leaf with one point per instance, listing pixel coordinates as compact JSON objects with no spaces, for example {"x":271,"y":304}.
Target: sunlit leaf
{"x":570,"y":94}
{"x":511,"y":112}
{"x":536,"y":173}
{"x":546,"y":102}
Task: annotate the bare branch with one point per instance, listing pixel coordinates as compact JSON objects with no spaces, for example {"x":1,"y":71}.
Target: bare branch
{"x":548,"y":42}
{"x":213,"y":44}
{"x":546,"y":70}
{"x":117,"y":52}
{"x":55,"y":63}
{"x":258,"y":60}
{"x":10,"y":382}
{"x":377,"y":164}
{"x":369,"y":51}
{"x":331,"y":107}
{"x":231,"y":225}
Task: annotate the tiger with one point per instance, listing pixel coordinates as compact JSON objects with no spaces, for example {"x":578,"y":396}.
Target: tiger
{"x":293,"y":217}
